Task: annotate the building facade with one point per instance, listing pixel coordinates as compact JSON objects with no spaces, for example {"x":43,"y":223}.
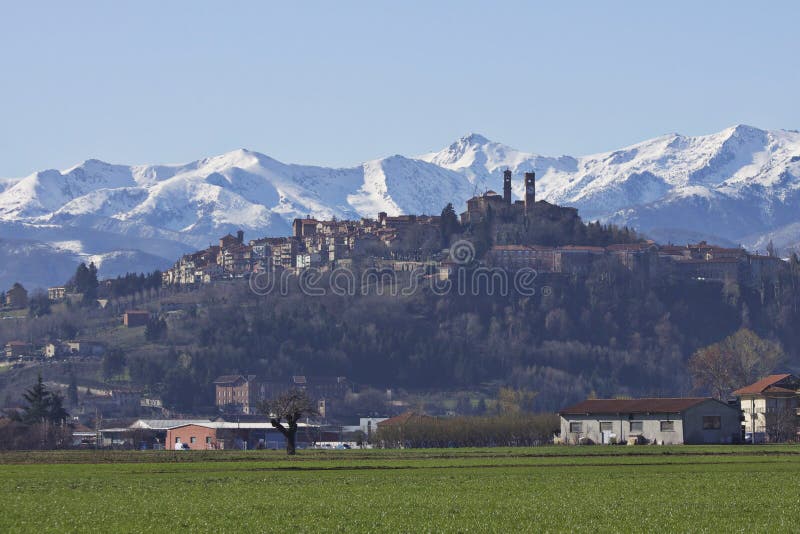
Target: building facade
{"x":17,"y":297}
{"x":237,"y":393}
{"x":667,"y":421}
{"x":770,"y":408}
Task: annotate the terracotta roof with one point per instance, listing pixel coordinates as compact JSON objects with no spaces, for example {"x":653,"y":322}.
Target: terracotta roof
{"x":401,"y":419}
{"x":617,"y":406}
{"x":759,"y":387}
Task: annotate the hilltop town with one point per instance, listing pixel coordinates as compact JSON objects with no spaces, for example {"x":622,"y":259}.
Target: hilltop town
{"x":505,"y":228}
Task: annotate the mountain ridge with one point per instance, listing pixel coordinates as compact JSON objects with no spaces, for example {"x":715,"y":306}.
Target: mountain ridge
{"x":739,"y":185}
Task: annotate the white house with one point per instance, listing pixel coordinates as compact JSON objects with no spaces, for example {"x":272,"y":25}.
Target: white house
{"x":770,"y":408}
{"x":662,"y":420}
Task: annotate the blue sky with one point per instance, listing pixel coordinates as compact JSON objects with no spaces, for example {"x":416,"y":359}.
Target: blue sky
{"x":336,"y":83}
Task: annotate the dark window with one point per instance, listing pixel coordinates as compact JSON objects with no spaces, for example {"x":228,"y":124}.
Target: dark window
{"x":606,"y":426}
{"x":193,"y":439}
{"x":667,"y":426}
{"x":576,"y":427}
{"x":637,"y":426}
{"x":712,"y":422}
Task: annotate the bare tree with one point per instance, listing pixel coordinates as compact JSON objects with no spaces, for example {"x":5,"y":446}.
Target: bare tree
{"x":782,"y":425}
{"x":289,"y":407}
{"x":737,"y":360}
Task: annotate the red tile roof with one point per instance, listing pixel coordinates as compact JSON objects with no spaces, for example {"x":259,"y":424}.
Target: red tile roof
{"x":617,"y":406}
{"x":759,"y":387}
{"x":402,"y":419}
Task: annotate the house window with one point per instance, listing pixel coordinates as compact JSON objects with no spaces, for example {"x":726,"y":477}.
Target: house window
{"x":193,"y":439}
{"x":637,"y":426}
{"x":177,"y":440}
{"x":667,"y":426}
{"x":208,"y":440}
{"x":606,"y":426}
{"x":712,"y":422}
{"x":576,"y":427}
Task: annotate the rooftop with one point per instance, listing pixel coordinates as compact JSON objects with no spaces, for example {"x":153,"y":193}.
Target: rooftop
{"x":768,"y":382}
{"x":620,"y":406}
{"x":228,"y":379}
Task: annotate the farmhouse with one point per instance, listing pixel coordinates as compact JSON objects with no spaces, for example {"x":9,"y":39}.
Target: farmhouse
{"x":770,"y":408}
{"x":660,"y":420}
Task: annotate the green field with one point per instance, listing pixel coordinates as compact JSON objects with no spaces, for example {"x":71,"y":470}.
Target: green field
{"x":711,"y":489}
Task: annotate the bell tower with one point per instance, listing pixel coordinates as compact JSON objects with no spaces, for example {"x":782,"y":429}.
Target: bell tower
{"x":507,"y":186}
{"x":530,"y":190}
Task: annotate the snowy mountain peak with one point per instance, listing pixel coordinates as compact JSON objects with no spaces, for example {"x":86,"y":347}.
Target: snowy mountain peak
{"x":474,"y":138}
{"x":739,"y":185}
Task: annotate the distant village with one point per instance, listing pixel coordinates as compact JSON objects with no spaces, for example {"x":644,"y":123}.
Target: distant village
{"x":407,"y":242}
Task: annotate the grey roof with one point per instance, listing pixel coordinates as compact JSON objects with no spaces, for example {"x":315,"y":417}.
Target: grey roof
{"x":166,"y":424}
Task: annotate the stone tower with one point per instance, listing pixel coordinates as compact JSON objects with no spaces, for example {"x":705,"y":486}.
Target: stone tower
{"x":507,"y":186}
{"x":530,"y":190}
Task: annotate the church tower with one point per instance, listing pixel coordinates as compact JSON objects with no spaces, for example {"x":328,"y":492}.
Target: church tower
{"x":530,"y":191}
{"x":507,"y":186}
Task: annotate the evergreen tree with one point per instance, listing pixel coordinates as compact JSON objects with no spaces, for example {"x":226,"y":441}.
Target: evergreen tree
{"x":155,"y":330}
{"x":43,"y":405}
{"x":449,"y":224}
{"x":38,"y":399}
{"x":113,"y":363}
{"x":39,"y":304}
{"x":72,"y":389}
{"x":85,"y":282}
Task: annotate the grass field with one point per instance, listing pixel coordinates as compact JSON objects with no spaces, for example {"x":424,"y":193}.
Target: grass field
{"x":711,"y":489}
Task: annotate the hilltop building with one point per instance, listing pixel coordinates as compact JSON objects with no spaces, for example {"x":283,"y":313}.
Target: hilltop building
{"x":17,"y":297}
{"x":492,"y":206}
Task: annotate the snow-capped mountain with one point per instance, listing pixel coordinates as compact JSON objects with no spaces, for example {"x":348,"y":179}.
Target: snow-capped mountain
{"x":741,"y":185}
